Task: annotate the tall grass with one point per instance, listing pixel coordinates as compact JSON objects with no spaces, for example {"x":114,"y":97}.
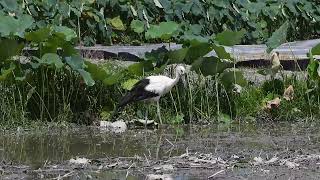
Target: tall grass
{"x":61,"y":96}
{"x":12,"y":110}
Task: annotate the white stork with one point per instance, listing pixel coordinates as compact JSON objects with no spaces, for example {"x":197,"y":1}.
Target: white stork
{"x":151,"y":88}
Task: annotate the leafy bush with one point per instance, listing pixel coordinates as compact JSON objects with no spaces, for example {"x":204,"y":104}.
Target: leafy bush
{"x":126,"y":21}
{"x":46,"y":79}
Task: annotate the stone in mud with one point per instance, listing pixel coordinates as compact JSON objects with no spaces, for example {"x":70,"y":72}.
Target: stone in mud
{"x":164,"y":168}
{"x":159,"y":177}
{"x":79,"y":161}
{"x":116,"y":127}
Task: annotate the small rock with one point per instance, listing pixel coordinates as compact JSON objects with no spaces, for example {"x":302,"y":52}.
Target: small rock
{"x":116,"y":127}
{"x":159,"y":177}
{"x":266,"y":171}
{"x":257,"y":161}
{"x":291,"y":165}
{"x":235,"y":156}
{"x":112,"y":165}
{"x":272,"y":160}
{"x":164,"y":168}
{"x":79,"y":161}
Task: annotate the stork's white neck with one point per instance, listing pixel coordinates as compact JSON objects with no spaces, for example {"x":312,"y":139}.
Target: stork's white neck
{"x":177,"y":78}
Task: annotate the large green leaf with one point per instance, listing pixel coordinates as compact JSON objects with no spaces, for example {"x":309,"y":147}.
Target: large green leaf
{"x":69,"y":49}
{"x":228,"y":78}
{"x":86,"y":77}
{"x":159,"y":56}
{"x":52,"y":59}
{"x":9,"y":48}
{"x":141,"y":67}
{"x":53,"y":43}
{"x":210,"y":65}
{"x":291,"y":6}
{"x":39,"y":35}
{"x":115,"y":78}
{"x":6,"y":72}
{"x":127,"y":85}
{"x":75,"y":62}
{"x":197,"y":51}
{"x":313,"y":65}
{"x":68,"y":33}
{"x":230,"y":38}
{"x":164,"y":30}
{"x":312,"y":70}
{"x":278,"y":37}
{"x":177,"y":56}
{"x":15,"y":26}
{"x":221,"y":52}
{"x":137,"y":26}
{"x":117,"y":23}
{"x":97,"y":73}
{"x":316,"y":50}
{"x":193,"y":39}
{"x":221,"y":3}
{"x":9,"y":4}
{"x":196,"y":29}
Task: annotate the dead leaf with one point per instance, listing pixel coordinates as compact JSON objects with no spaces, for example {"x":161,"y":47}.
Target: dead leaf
{"x":276,"y":65}
{"x":273,"y":103}
{"x":288,"y":93}
{"x":275,"y":60}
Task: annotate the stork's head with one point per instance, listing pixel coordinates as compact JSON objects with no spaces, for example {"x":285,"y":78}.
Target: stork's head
{"x":180,"y":70}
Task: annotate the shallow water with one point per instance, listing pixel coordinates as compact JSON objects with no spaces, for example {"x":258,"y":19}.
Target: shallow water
{"x":31,"y":150}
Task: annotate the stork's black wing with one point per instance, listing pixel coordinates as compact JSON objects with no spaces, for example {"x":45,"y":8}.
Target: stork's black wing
{"x":137,"y":93}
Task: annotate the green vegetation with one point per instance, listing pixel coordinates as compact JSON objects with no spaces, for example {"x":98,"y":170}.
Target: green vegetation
{"x":51,"y":82}
{"x":131,"y":22}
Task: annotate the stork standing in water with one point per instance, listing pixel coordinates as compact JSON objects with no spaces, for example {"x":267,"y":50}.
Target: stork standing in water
{"x":151,"y":88}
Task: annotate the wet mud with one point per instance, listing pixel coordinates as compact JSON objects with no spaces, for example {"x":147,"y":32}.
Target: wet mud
{"x":264,"y":151}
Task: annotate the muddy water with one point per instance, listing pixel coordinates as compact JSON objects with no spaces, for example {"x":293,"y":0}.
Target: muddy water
{"x":45,"y":153}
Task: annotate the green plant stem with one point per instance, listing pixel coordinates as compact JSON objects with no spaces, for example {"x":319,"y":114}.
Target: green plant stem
{"x":217,"y":94}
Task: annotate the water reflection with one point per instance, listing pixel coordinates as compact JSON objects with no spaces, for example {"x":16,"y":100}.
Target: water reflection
{"x":53,"y":146}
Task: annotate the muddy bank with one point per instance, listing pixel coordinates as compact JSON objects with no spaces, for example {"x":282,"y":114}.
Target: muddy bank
{"x":266,"y":151}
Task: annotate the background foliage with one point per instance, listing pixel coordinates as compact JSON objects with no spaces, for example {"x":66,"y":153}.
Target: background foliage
{"x":127,"y":21}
